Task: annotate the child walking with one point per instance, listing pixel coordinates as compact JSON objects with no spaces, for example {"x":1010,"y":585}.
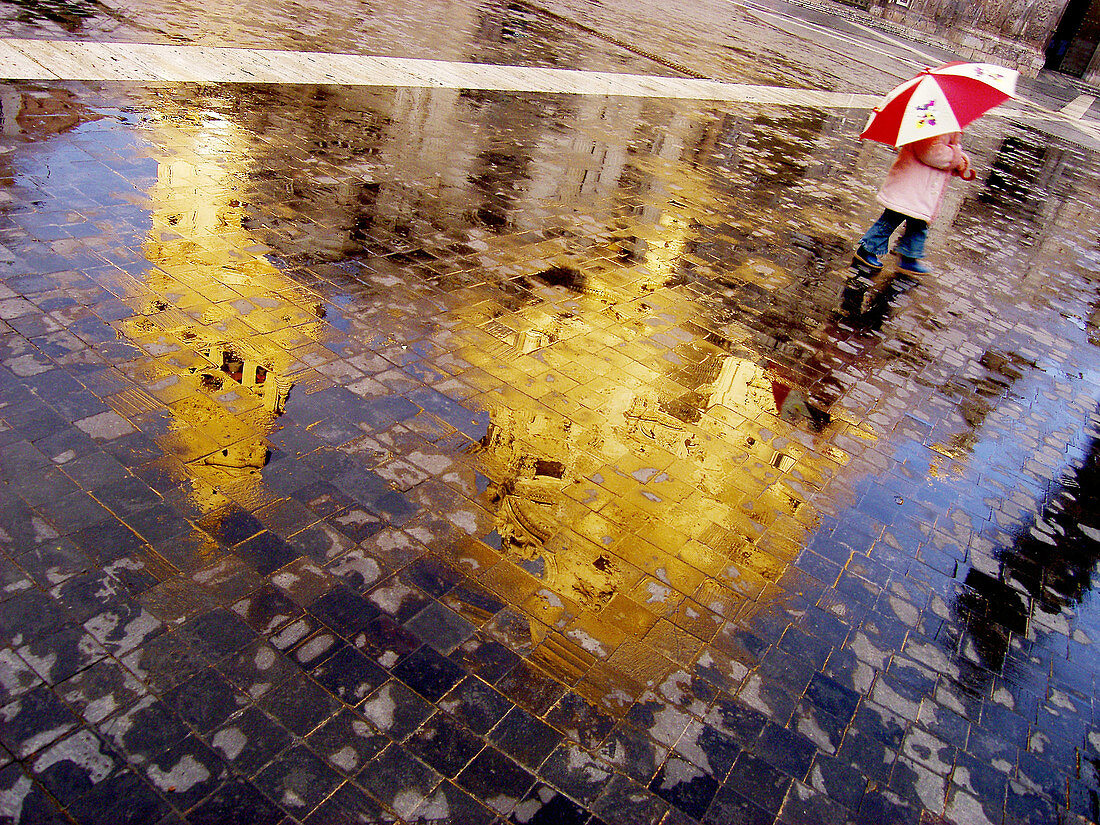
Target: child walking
{"x":912,"y":192}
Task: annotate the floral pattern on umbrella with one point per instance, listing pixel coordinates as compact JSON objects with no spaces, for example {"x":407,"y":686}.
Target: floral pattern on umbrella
{"x":939,"y":101}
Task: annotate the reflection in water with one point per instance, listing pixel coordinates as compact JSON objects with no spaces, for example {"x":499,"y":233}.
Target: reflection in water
{"x":615,"y":483}
{"x":214,"y":309}
{"x":1046,"y":573}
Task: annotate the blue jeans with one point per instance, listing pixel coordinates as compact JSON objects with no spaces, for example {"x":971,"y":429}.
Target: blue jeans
{"x":911,"y":245}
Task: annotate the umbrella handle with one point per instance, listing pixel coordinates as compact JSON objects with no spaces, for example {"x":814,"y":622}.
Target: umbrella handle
{"x":969,"y":174}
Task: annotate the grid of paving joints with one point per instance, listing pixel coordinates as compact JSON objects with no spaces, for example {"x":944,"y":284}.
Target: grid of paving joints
{"x":378,"y":482}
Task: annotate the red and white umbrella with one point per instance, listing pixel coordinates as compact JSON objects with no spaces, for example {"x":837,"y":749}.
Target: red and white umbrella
{"x":939,"y":101}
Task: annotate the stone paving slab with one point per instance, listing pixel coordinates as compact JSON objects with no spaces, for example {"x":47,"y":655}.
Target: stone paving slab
{"x":417,"y":454}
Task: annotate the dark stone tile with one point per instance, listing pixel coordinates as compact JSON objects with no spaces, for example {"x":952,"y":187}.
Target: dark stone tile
{"x":291,"y":635}
{"x":629,"y":750}
{"x":123,"y":798}
{"x":350,"y":806}
{"x":432,"y":575}
{"x":444,"y":744}
{"x":72,"y":766}
{"x":395,"y":709}
{"x":286,"y":517}
{"x":979,"y":777}
{"x":231,"y":525}
{"x":344,"y":610}
{"x":217,"y":634}
{"x":661,"y":721}
{"x":735,"y":719}
{"x":804,"y":804}
{"x":440,"y":627}
{"x":227,"y":580}
{"x":545,"y":806}
{"x":186,"y":772}
{"x":13,"y":579}
{"x":385,"y":641}
{"x":91,"y":594}
{"x":266,"y":552}
{"x":838,"y":780}
{"x":576,"y":772}
{"x":317,"y":648}
{"x":266,"y":610}
{"x":476,"y":705}
{"x":347,"y":741}
{"x":298,"y":780}
{"x":473,"y":602}
{"x":124,"y":626}
{"x":101,"y":691}
{"x":359,"y":521}
{"x":398,"y":779}
{"x":832,"y":697}
{"x":709,"y":748}
{"x":486,"y":658}
{"x":205,"y":700}
{"x":322,"y":542}
{"x":785,"y":750}
{"x":450,"y":803}
{"x":764,"y":783}
{"x":731,"y":806}
{"x":349,"y":675}
{"x":495,"y":780}
{"x":145,"y":730}
{"x":250,"y":739}
{"x":322,"y":498}
{"x":159,"y":523}
{"x":624,"y":801}
{"x":53,"y":562}
{"x":685,"y":786}
{"x":25,"y":802}
{"x":525,"y":738}
{"x":400,"y":600}
{"x":165,"y":661}
{"x":236,"y":802}
{"x":33,"y":721}
{"x":358,"y":569}
{"x":428,"y":672}
{"x":871,"y":757}
{"x":881,"y":723}
{"x":28,"y":616}
{"x":257,"y":668}
{"x":16,"y":676}
{"x":531,"y":687}
{"x":299,"y":704}
{"x":191,"y":551}
{"x":62,"y":655}
{"x":304,"y":581}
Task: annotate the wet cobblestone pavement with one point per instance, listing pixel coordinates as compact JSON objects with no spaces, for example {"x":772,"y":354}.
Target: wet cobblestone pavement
{"x":426,"y":455}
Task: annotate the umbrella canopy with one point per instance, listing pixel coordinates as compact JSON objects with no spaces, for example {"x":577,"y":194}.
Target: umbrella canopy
{"x":939,"y":101}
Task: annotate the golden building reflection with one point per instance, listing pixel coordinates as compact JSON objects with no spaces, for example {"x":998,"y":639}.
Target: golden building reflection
{"x":622,"y":482}
{"x":213,"y":311}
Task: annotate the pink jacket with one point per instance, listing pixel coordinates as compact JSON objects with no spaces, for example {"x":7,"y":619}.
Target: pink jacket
{"x":915,"y":184}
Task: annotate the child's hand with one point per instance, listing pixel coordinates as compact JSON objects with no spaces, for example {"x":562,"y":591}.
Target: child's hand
{"x":962,"y":167}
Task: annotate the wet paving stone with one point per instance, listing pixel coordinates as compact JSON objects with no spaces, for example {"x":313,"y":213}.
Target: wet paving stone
{"x":399,"y":779}
{"x":347,"y":742}
{"x":474,"y":456}
{"x":297,"y":780}
{"x":250,"y":739}
{"x":33,"y":720}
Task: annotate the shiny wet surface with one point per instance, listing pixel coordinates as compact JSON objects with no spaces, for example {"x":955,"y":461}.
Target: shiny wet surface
{"x":438,"y":456}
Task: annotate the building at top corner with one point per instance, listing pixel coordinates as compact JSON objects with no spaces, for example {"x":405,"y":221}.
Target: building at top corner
{"x":1030,"y":35}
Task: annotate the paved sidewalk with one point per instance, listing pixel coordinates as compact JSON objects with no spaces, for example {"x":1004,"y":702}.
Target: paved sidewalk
{"x":472,"y":444}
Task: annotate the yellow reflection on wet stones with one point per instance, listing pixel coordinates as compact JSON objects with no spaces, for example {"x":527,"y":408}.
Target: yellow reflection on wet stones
{"x":227,"y":392}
